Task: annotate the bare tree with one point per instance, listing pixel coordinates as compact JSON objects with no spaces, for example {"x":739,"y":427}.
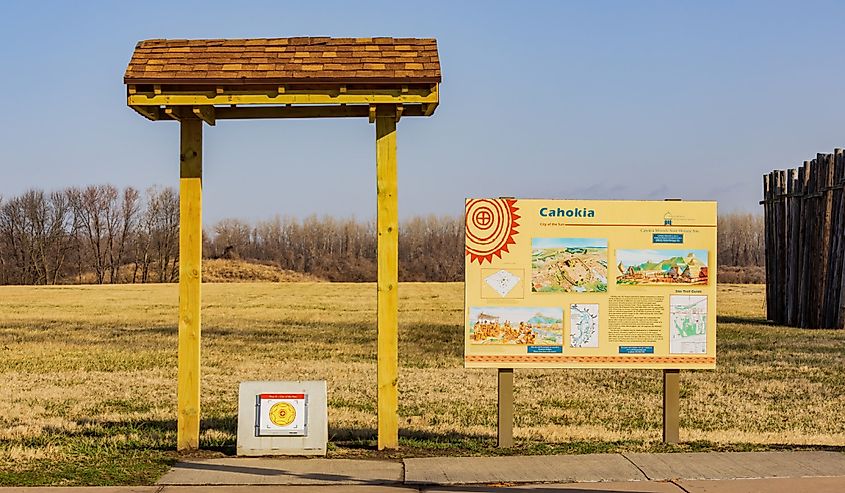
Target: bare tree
{"x":162,"y":223}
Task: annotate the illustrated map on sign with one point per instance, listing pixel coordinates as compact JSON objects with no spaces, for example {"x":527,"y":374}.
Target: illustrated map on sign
{"x":688,"y":320}
{"x":502,"y":282}
{"x":584,"y":325}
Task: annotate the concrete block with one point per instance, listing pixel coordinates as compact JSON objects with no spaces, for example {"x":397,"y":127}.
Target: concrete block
{"x":313,"y":442}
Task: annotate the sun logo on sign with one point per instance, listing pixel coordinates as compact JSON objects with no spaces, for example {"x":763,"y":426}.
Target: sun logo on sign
{"x":282,"y":414}
{"x":490,"y":228}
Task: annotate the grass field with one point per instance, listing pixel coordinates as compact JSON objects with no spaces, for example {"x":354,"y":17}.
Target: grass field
{"x":88,"y":375}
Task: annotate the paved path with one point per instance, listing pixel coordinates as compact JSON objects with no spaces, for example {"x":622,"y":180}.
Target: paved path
{"x":449,"y":471}
{"x":521,"y":469}
{"x":732,"y":465}
{"x":770,"y":485}
{"x":710,"y":472}
{"x":300,"y":471}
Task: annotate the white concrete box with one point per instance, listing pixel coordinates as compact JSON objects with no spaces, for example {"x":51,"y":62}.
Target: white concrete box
{"x":282,"y":418}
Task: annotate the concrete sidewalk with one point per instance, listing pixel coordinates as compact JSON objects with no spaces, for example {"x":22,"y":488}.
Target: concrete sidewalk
{"x":710,"y":472}
{"x":450,"y":471}
{"x":771,"y":485}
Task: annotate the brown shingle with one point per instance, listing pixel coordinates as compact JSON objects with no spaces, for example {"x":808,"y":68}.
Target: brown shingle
{"x":283,"y":60}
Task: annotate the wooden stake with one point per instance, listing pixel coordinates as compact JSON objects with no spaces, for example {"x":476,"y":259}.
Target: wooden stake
{"x":190,"y":259}
{"x":388,"y":278}
{"x":505,"y":425}
{"x":671,"y":406}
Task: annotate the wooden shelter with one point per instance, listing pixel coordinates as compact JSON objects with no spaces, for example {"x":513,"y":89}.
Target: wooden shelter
{"x":206,"y":80}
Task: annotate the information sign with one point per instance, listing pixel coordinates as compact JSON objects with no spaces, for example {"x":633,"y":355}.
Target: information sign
{"x":597,"y":284}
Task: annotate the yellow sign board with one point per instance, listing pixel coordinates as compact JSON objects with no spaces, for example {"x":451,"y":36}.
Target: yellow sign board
{"x":590,"y":284}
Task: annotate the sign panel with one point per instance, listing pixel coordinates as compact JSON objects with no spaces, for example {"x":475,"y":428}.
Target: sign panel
{"x":281,"y":414}
{"x":592,"y":284}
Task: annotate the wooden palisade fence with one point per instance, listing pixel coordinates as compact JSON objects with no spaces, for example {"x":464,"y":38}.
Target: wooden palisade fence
{"x":805,"y":243}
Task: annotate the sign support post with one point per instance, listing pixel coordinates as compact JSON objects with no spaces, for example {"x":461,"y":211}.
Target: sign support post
{"x":671,"y":406}
{"x":190,"y":282}
{"x":388,"y":278}
{"x":505,"y":424}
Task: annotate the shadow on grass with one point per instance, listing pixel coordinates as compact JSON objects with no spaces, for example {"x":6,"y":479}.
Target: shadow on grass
{"x":160,"y":435}
{"x":367,"y":438}
{"x":732,"y":319}
{"x":156,"y":434}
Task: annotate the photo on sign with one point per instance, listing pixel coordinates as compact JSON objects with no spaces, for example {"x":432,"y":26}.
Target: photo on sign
{"x":516,"y":325}
{"x":661,"y":266}
{"x":568,"y":265}
{"x":584,"y":325}
{"x":687,"y":324}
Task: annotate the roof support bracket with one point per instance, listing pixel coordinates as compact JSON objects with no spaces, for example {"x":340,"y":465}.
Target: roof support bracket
{"x":205,"y":113}
{"x":149,"y":112}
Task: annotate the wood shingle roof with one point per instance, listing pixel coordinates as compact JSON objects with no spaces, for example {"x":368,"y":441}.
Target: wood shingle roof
{"x":284,"y":60}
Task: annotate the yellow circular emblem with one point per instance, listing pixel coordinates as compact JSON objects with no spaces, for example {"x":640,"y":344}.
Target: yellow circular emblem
{"x":282,"y":414}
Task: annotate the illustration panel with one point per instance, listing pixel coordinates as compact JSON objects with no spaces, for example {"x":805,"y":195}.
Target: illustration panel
{"x":502,"y":283}
{"x":688,"y":324}
{"x":584,"y":325}
{"x":516,"y":325}
{"x":568,"y":265}
{"x":661,"y":266}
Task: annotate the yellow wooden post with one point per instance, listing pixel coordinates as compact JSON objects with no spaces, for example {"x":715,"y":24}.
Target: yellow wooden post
{"x":388,"y":278}
{"x":190,"y":277}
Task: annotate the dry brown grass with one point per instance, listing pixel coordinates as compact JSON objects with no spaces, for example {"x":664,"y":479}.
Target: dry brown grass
{"x":88,"y":377}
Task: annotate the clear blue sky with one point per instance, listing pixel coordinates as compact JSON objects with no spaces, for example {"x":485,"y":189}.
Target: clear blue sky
{"x":640,"y":100}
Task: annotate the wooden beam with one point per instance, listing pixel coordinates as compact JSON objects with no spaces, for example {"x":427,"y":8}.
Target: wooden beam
{"x":205,"y":113}
{"x":149,"y":112}
{"x":190,"y":279}
{"x":253,"y":112}
{"x":388,"y":279}
{"x":273,"y":112}
{"x":399,"y":110}
{"x":290,"y":96}
{"x":372,"y":113}
{"x":430,"y":106}
{"x":173,"y":113}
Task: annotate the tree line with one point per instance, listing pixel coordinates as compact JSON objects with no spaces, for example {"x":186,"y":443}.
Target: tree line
{"x":96,"y":234}
{"x":101,"y":234}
